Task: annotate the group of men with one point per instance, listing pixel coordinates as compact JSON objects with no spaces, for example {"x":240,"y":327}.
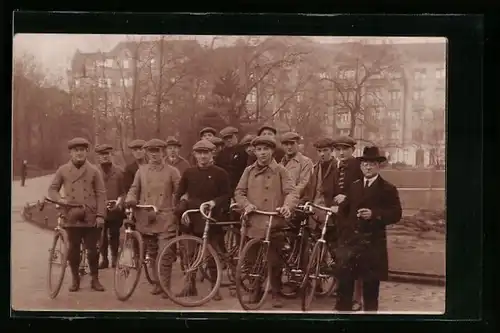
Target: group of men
{"x":257,"y":172}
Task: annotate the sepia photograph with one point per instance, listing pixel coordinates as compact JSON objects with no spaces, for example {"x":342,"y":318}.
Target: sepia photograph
{"x":262,"y":174}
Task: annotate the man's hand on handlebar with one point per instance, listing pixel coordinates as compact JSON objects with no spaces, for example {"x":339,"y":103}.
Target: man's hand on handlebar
{"x":130,"y":203}
{"x":250,"y":208}
{"x":100,"y":222}
{"x":285,"y":212}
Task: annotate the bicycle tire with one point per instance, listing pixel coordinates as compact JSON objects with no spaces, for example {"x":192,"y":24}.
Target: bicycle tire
{"x":309,"y":285}
{"x":328,"y":291}
{"x":182,"y":301}
{"x":133,"y":236}
{"x":148,"y":274}
{"x":240,"y":287}
{"x":293,"y":261}
{"x":63,"y":236}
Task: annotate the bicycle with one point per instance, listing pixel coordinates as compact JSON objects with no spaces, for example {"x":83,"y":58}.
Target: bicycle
{"x":263,"y":272}
{"x":58,"y":256}
{"x":317,"y":267}
{"x":187,"y":247}
{"x":230,"y":251}
{"x":132,"y":250}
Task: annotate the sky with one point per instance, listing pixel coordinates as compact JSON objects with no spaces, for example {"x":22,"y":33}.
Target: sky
{"x":54,"y":51}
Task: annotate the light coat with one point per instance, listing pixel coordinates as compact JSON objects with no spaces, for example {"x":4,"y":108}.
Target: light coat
{"x":267,"y":189}
{"x":83,"y":185}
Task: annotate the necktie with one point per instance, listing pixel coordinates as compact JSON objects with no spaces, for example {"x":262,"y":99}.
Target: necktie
{"x":367,"y":183}
{"x":341,"y":175}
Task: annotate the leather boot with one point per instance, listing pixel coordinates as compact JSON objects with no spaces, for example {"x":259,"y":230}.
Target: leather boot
{"x":217,"y":296}
{"x":277,"y":301}
{"x":75,"y":284}
{"x":95,"y":284}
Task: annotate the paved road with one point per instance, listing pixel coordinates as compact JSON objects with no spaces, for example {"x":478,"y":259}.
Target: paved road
{"x":29,"y":265}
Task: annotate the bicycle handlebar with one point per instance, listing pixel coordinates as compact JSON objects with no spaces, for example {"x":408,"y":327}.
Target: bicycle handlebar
{"x":326,"y":209}
{"x":64,"y":204}
{"x":202,"y":211}
{"x":153,"y":207}
{"x":261,"y":212}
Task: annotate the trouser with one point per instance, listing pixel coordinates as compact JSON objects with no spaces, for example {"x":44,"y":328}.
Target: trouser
{"x":345,"y":291}
{"x":23,"y":180}
{"x":111,"y":238}
{"x":274,"y":258}
{"x":90,"y":237}
{"x":154,"y":243}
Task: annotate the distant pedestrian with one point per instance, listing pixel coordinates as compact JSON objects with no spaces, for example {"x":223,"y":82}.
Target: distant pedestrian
{"x":24,"y":172}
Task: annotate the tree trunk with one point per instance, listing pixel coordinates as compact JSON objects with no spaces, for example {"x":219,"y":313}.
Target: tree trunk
{"x":159,"y":91}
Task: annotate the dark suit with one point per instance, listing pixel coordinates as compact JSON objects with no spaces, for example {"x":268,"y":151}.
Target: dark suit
{"x":362,"y":244}
{"x":234,"y":161}
{"x":352,"y":173}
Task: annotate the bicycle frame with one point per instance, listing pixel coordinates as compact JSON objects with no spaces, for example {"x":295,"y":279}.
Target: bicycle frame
{"x":130,"y":215}
{"x":329,"y":213}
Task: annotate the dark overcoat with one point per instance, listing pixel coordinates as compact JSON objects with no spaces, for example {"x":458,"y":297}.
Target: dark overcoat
{"x":362,"y":244}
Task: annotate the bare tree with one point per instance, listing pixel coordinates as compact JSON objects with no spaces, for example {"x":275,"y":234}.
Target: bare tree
{"x":362,"y":71}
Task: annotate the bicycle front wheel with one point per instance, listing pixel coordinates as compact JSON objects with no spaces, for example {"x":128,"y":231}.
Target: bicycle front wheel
{"x":312,"y":275}
{"x":58,"y":261}
{"x":128,"y":265}
{"x":253,"y":275}
{"x":177,"y":278}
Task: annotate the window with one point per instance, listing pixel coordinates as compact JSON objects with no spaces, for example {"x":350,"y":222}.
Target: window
{"x":77,"y":83}
{"x":418,"y":95}
{"x":420,"y":74}
{"x":127,"y":82}
{"x":152,"y":61}
{"x":395,"y":96}
{"x":395,"y":115}
{"x":440,"y":73}
{"x":125,"y":64}
{"x":300,"y":98}
{"x":102,"y":83}
{"x":109,"y":82}
{"x":377,"y":114}
{"x":99,"y":63}
{"x":323,"y":75}
{"x":109,"y":63}
{"x":395,"y":134}
{"x":348,"y":74}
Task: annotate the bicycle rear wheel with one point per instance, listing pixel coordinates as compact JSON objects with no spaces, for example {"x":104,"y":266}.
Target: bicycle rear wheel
{"x":311,"y":276}
{"x":149,"y":266}
{"x":129,"y":261}
{"x":254,"y":269}
{"x":58,"y":261}
{"x":182,"y":286}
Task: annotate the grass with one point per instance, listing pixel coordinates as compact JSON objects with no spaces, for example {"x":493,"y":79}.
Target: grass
{"x":415,"y":178}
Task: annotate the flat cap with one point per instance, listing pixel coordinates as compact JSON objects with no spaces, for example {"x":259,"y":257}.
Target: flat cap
{"x":209,"y":130}
{"x":345,"y":141}
{"x":75,"y":142}
{"x":323,"y":143}
{"x":172,"y":141}
{"x":247,"y":139}
{"x":228,"y":131}
{"x":203,"y":145}
{"x":103,"y":148}
{"x":138,"y":143}
{"x":154,"y":143}
{"x":216,"y":141}
{"x":269,"y":127}
{"x":290,"y":137}
{"x":264,"y":140}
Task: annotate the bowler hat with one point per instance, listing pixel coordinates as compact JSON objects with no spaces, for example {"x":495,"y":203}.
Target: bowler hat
{"x":208,"y":130}
{"x":264,"y":140}
{"x":372,"y":154}
{"x":155,"y":143}
{"x":138,"y":143}
{"x":103,"y":148}
{"x":172,"y":141}
{"x":75,"y":142}
{"x":345,"y":141}
{"x":203,"y":145}
{"x":228,"y":131}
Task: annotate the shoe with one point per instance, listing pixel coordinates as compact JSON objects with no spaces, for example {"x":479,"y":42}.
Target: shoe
{"x":75,"y":285}
{"x":277,"y":301}
{"x":96,"y":285}
{"x":156,"y":290}
{"x":217,"y":296}
{"x":256,"y":296}
{"x":356,"y":306}
{"x":114,"y":259}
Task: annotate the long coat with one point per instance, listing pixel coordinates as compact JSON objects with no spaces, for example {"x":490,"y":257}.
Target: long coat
{"x":115,"y":188}
{"x":267,"y":189}
{"x":155,"y":185}
{"x":362,"y":250}
{"x":327,"y":183}
{"x":234,"y":161}
{"x":83,"y":185}
{"x":352,"y":173}
{"x":180,"y":163}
